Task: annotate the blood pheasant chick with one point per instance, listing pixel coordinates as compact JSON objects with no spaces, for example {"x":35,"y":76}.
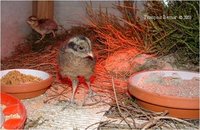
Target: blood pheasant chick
{"x":42,"y":26}
{"x":76,"y":59}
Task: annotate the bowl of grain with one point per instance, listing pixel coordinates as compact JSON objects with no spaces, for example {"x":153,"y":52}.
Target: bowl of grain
{"x":174,"y":91}
{"x":25,"y":83}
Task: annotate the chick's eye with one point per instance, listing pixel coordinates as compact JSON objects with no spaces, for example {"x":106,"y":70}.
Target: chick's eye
{"x":80,"y":48}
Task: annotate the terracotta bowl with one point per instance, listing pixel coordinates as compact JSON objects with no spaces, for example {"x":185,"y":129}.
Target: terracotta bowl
{"x":13,"y":106}
{"x":28,"y":90}
{"x":178,"y":103}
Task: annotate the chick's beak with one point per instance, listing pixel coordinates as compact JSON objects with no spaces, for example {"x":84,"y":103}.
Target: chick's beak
{"x":90,"y":54}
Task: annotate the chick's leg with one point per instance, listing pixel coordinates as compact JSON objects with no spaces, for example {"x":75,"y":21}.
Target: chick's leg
{"x":74,"y":87}
{"x":90,"y":91}
{"x":43,"y":35}
{"x":54,"y":35}
{"x":91,"y":95}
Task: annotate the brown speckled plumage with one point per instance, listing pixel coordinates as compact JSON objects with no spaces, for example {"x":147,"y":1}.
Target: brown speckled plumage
{"x":73,"y":66}
{"x":42,"y":26}
{"x":76,"y":59}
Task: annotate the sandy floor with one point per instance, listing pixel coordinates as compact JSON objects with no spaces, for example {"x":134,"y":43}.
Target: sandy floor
{"x":51,"y":115}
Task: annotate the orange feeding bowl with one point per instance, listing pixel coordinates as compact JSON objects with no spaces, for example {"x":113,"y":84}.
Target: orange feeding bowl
{"x":28,"y":90}
{"x":13,"y":106}
{"x":174,"y":91}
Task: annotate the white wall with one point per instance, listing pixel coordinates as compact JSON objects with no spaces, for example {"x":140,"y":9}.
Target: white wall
{"x":13,"y":24}
{"x":68,"y":13}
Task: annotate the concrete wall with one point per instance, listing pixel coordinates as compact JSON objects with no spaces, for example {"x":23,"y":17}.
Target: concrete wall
{"x":14,"y":28}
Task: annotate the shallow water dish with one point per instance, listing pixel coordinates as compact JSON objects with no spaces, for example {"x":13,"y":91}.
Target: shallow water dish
{"x":174,"y":91}
{"x":27,"y":90}
{"x":13,"y":106}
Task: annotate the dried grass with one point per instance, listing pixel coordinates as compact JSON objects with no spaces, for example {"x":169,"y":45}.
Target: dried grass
{"x":115,"y":33}
{"x":103,"y":79}
{"x":119,"y":64}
